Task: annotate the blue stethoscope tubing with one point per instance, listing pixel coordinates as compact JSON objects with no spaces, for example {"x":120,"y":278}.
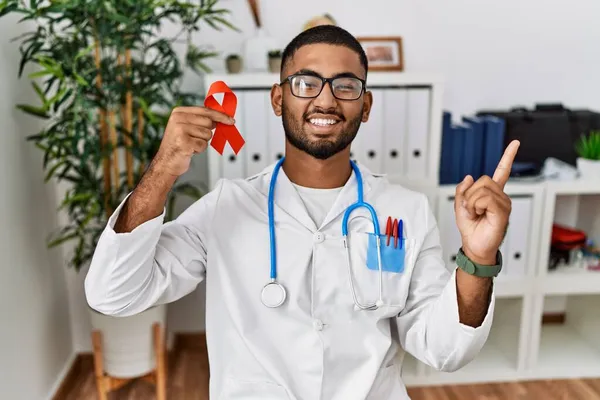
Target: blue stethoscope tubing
{"x":273,"y":293}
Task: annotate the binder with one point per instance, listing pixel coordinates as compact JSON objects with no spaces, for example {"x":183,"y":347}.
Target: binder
{"x":395,"y":130}
{"x":475,"y":146}
{"x":255,"y":125}
{"x":275,"y":132}
{"x":468,"y":161}
{"x":517,"y":241}
{"x":370,"y":137}
{"x":458,"y":149}
{"x":418,"y":132}
{"x":493,"y":143}
{"x":445,"y":173}
{"x":234,"y":166}
{"x":450,"y":235}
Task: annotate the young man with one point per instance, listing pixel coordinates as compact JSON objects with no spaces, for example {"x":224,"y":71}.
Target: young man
{"x":295,"y":308}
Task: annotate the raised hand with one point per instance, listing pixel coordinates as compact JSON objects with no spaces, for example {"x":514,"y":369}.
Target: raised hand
{"x":188,"y":131}
{"x":482,"y":210}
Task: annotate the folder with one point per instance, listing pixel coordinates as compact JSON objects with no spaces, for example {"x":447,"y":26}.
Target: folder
{"x":517,"y":240}
{"x":493,"y":143}
{"x":459,"y":132}
{"x":418,"y":133}
{"x":474,"y":147}
{"x":445,"y":173}
{"x":369,"y":151}
{"x":233,"y":166}
{"x":255,"y":125}
{"x":395,"y":130}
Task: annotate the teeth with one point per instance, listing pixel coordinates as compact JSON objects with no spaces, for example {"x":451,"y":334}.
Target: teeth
{"x":322,"y":122}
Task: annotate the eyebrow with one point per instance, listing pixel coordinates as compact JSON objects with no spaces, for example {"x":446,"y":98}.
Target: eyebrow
{"x":345,"y":74}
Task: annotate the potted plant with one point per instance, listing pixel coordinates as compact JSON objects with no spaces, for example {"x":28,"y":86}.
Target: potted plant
{"x":588,"y":150}
{"x":234,"y":63}
{"x":274,"y":60}
{"x":106,"y":79}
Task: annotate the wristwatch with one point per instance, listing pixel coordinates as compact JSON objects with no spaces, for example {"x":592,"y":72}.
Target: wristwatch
{"x":472,"y":268}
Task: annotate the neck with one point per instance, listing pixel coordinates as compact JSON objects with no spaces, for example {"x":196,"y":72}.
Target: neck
{"x":307,"y":171}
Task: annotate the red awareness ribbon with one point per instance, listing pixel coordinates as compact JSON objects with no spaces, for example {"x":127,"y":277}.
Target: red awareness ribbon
{"x":224,"y":133}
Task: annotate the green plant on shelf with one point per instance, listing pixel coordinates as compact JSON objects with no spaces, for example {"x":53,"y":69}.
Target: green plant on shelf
{"x":588,"y":147}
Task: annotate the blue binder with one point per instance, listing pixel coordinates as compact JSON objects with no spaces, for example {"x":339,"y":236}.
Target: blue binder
{"x":493,"y":143}
{"x":445,"y":173}
{"x":459,"y":132}
{"x":474,"y":145}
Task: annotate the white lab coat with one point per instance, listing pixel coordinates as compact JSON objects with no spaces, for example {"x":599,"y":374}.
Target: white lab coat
{"x":318,"y":345}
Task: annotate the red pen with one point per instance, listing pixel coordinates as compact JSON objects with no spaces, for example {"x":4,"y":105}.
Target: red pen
{"x":388,"y":230}
{"x":395,"y":232}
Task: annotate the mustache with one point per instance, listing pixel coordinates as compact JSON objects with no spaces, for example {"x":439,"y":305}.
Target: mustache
{"x":331,"y":112}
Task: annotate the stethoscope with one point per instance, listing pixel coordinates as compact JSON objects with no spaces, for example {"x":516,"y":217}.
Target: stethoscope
{"x":273,"y":293}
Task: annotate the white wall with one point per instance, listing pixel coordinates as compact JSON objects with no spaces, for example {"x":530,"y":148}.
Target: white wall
{"x":492,"y":54}
{"x":35,"y":335}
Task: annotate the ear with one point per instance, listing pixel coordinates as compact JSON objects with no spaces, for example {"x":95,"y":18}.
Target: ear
{"x":276,"y":99}
{"x":367,"y":106}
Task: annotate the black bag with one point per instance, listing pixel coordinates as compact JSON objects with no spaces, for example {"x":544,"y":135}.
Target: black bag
{"x":548,"y":130}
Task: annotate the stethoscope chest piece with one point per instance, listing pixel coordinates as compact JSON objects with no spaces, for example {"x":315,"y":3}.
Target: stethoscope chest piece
{"x":273,"y":295}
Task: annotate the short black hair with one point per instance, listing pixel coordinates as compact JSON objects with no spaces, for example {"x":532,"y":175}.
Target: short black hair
{"x":328,"y":34}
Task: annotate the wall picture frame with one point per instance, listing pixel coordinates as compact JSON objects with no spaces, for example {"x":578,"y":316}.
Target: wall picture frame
{"x":384,"y":53}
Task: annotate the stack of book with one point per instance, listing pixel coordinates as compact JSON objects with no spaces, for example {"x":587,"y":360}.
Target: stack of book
{"x":471,"y":146}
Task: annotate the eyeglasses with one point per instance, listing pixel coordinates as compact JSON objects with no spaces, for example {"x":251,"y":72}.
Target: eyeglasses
{"x":308,"y":86}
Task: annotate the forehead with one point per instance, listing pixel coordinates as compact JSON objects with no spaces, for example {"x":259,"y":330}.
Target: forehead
{"x":325,"y":59}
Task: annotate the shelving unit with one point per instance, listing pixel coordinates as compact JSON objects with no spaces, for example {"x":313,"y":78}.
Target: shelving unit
{"x":519,"y":346}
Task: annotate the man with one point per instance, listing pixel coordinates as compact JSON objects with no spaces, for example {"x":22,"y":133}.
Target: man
{"x":337,"y":334}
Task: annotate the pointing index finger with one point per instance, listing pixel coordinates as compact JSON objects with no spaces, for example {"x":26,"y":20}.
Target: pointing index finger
{"x":504,"y":167}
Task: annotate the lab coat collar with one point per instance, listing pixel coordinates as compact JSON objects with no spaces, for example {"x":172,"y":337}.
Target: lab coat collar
{"x":287,"y":197}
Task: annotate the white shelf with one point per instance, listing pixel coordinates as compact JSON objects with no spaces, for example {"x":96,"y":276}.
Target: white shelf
{"x":574,"y":187}
{"x":571,"y":280}
{"x":564,"y":353}
{"x":572,"y":349}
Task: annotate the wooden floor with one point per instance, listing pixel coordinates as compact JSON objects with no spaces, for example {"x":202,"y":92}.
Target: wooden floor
{"x":188,"y":380}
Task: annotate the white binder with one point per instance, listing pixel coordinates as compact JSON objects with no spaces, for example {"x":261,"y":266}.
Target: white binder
{"x":517,"y":241}
{"x":394,"y":130}
{"x":370,"y":136}
{"x":449,"y":233}
{"x":276,"y":134}
{"x":232,"y":165}
{"x":256,"y":131}
{"x":418,"y":132}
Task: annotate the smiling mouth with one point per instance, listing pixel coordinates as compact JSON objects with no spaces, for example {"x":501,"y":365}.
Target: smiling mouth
{"x":323,"y":122}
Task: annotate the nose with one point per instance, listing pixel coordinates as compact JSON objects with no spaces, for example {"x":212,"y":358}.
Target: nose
{"x":325,"y":99}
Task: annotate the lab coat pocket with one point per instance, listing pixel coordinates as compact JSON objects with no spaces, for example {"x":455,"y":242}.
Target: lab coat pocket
{"x":263,"y":390}
{"x":395,"y":262}
{"x":392,"y":254}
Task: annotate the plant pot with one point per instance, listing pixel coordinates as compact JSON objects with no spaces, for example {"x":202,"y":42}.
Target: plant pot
{"x":589,"y":169}
{"x":275,"y":64}
{"x":234,"y":65}
{"x":128,"y":342}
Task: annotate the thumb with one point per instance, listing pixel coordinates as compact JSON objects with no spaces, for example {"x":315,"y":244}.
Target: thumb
{"x":461,"y":188}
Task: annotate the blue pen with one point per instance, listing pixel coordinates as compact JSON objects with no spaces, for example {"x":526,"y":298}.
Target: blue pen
{"x":400,"y":232}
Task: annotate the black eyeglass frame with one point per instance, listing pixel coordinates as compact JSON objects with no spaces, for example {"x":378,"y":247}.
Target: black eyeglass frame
{"x":323,"y":82}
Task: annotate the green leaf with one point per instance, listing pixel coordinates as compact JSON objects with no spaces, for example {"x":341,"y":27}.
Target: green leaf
{"x":62,"y":239}
{"x":40,"y":112}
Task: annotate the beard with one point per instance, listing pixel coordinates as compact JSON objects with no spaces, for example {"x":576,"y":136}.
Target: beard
{"x":320,"y":149}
